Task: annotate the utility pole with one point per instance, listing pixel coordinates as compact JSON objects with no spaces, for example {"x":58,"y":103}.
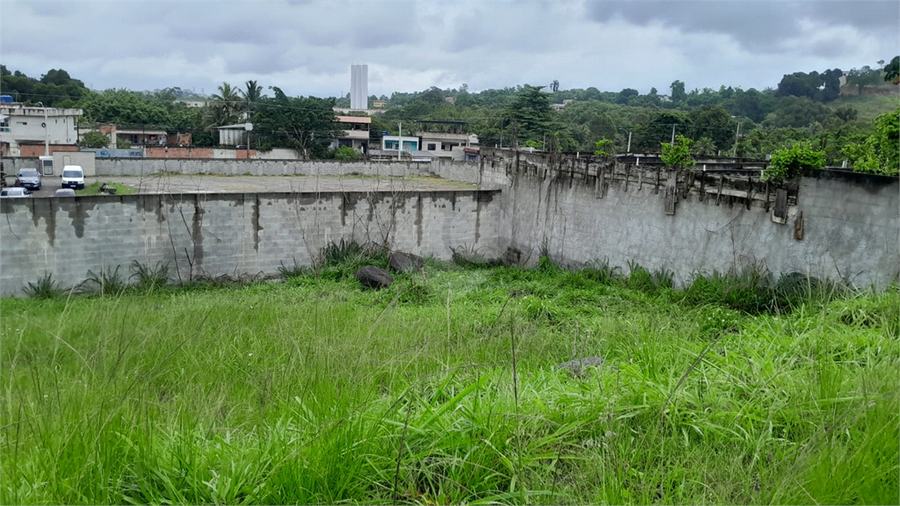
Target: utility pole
{"x":628,"y":149}
{"x":400,"y":140}
{"x":736,"y":135}
{"x":672,"y":143}
{"x":46,"y":132}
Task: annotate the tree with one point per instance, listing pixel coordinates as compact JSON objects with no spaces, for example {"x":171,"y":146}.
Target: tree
{"x":626,"y":94}
{"x":252,"y":93}
{"x":554,"y":86}
{"x":797,"y":112}
{"x":55,"y":88}
{"x":879,"y":153}
{"x":790,"y":163}
{"x":305,"y":123}
{"x":799,"y":84}
{"x":678,"y":94}
{"x":823,"y":87}
{"x":678,"y":154}
{"x":346,"y":153}
{"x":123,"y":107}
{"x":94,"y":139}
{"x":715,"y":123}
{"x":649,"y":134}
{"x":863,"y":77}
{"x":222,"y":109}
{"x":704,"y":147}
{"x":605,"y":148}
{"x":892,"y":71}
{"x":529,"y":116}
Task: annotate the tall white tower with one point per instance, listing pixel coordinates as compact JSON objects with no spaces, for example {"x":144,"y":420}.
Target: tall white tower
{"x":359,"y":86}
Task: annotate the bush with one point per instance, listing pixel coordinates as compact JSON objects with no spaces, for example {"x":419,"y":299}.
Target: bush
{"x":790,"y":163}
{"x":44,"y":288}
{"x":107,"y":282}
{"x":150,"y":278}
{"x":471,"y":258}
{"x":294,"y":271}
{"x":346,"y":153}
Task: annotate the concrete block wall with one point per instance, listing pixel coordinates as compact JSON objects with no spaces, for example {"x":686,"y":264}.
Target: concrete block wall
{"x":233,"y":233}
{"x":851,"y":227}
{"x":146,"y":166}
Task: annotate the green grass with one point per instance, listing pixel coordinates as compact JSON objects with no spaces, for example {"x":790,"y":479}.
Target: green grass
{"x":444,"y":389}
{"x":94,"y":189}
{"x":869,"y":106}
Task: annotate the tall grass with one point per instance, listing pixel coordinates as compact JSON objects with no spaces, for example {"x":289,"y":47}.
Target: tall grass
{"x":315,"y":391}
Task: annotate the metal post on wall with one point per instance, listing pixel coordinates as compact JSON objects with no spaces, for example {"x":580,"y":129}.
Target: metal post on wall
{"x":46,"y":132}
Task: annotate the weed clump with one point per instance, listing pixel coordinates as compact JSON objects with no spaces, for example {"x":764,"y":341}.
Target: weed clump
{"x":471,"y":258}
{"x":150,"y":278}
{"x":106,"y":282}
{"x":342,"y":259}
{"x":44,"y":288}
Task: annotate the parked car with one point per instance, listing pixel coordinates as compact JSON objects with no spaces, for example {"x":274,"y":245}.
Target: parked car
{"x":64,"y":192}
{"x":73,"y":177}
{"x":14,"y":193}
{"x":29,"y":178}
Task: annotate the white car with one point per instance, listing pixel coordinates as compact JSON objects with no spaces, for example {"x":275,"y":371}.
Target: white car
{"x":14,"y":193}
{"x":73,"y":177}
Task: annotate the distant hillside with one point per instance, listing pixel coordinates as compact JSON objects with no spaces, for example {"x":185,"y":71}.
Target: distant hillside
{"x":869,"y":105}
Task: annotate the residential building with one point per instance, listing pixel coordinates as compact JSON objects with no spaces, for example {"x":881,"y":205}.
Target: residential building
{"x":446,"y":139}
{"x":391,"y":142}
{"x":137,"y":137}
{"x":355,"y":132}
{"x":29,"y":128}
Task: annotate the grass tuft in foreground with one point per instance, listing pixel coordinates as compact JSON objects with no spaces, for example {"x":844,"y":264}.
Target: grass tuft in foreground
{"x":444,"y":389}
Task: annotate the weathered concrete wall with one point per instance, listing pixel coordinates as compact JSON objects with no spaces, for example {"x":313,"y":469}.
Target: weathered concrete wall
{"x":144,"y":166}
{"x":850,"y":223}
{"x":453,"y":170}
{"x":215,"y":234}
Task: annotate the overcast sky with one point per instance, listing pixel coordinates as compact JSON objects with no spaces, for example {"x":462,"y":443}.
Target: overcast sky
{"x":306,"y":47}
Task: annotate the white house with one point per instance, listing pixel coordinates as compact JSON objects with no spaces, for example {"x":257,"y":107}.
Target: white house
{"x":26,"y":125}
{"x":355,"y":132}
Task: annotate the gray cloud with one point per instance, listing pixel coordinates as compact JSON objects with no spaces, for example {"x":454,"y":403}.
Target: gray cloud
{"x":307,"y":46}
{"x":756,"y":25}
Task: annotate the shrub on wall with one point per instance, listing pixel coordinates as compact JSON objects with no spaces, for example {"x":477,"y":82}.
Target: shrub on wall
{"x":790,"y":163}
{"x":678,"y":154}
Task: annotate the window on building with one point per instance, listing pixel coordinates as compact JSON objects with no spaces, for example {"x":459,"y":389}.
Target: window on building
{"x":21,"y":122}
{"x":432,"y":146}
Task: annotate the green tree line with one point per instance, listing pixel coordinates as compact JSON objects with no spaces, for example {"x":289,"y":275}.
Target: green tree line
{"x":805,"y":108}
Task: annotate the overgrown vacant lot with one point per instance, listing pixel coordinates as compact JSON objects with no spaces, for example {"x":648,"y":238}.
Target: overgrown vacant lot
{"x":445,"y":388}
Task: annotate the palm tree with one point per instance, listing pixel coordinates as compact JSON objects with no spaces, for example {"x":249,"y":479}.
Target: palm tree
{"x":222,"y":109}
{"x":227,"y":98}
{"x":704,"y":147}
{"x":252,"y":94}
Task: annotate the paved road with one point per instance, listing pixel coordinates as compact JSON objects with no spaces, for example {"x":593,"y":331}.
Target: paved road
{"x":216,"y":184}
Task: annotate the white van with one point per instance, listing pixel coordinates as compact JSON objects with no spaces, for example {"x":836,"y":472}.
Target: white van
{"x":73,"y":177}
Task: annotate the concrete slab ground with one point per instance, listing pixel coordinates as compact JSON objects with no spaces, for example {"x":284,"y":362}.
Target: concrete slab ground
{"x":170,"y":183}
